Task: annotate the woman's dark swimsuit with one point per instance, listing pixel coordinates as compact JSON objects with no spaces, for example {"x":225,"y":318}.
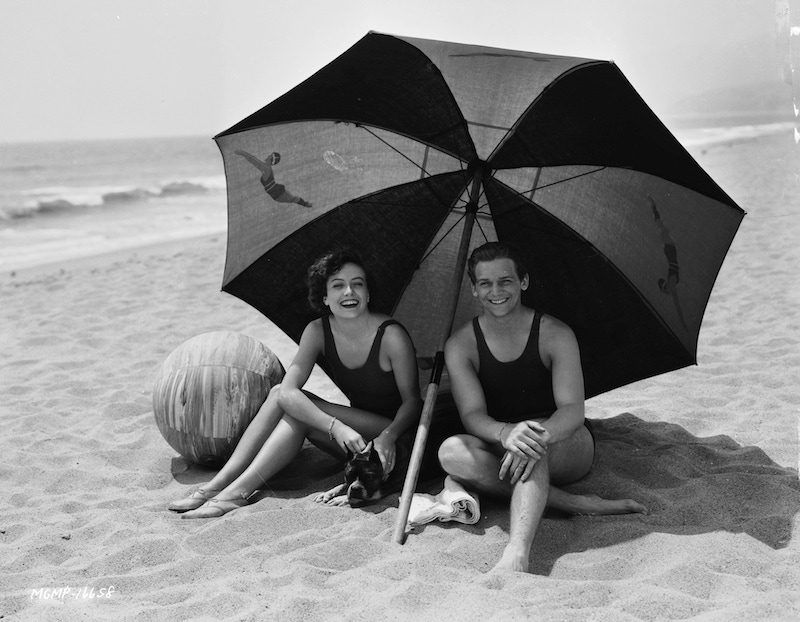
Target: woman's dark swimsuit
{"x":517,"y":390}
{"x":367,"y":387}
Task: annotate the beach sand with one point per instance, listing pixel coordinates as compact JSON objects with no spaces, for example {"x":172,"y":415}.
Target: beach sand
{"x":86,"y":475}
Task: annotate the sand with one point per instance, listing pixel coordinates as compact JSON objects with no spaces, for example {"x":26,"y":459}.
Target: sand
{"x":86,"y":476}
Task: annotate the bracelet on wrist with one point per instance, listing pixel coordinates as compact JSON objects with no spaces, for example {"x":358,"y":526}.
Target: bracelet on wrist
{"x":330,"y":427}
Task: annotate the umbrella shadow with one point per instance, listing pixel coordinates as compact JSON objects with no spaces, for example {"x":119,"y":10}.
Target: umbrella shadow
{"x":691,"y":486}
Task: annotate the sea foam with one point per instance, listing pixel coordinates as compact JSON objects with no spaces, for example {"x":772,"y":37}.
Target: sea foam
{"x":58,"y":198}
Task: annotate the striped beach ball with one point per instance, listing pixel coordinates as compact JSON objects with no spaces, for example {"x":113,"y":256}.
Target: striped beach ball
{"x":209,"y":389}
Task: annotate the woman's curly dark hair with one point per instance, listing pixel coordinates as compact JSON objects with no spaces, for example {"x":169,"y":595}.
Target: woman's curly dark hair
{"x":323,"y":268}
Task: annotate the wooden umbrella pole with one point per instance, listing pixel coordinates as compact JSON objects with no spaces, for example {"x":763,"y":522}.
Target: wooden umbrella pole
{"x":432,"y":391}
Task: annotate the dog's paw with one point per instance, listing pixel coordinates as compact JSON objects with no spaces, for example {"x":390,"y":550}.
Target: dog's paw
{"x":338,"y":501}
{"x":326,"y":497}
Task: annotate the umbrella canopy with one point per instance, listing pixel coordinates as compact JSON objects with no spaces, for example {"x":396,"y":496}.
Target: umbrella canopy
{"x":400,"y":144}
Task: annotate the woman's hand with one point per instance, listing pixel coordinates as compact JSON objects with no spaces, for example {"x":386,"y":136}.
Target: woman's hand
{"x":347,"y":438}
{"x":387,"y":452}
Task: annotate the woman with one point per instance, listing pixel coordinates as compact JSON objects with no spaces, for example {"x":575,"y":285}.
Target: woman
{"x":369,"y":356}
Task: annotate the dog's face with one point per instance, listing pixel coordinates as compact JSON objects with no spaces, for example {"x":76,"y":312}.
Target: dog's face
{"x":363,"y":475}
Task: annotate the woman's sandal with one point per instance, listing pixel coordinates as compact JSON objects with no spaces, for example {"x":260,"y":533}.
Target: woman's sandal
{"x":193,"y":501}
{"x":214,"y":508}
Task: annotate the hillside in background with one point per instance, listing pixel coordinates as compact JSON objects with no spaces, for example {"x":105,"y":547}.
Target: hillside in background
{"x":754,"y":103}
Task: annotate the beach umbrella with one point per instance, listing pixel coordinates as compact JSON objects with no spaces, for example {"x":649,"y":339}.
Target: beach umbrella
{"x":415,"y":151}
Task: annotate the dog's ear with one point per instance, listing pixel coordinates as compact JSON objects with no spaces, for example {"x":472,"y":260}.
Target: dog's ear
{"x":364,"y":455}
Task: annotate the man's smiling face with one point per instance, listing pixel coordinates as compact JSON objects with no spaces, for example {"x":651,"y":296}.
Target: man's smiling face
{"x":498,"y":287}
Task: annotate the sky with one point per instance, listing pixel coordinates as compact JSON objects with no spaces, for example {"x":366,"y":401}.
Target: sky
{"x":88,"y":69}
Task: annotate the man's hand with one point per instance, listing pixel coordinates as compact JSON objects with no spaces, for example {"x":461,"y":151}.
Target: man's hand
{"x":519,"y":469}
{"x":525,"y":444}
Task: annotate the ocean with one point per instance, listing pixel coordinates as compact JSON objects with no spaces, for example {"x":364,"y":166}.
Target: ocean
{"x":65,"y":200}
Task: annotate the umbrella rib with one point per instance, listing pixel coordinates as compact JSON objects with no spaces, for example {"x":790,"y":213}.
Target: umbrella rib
{"x":483,"y":233}
{"x":562,"y":181}
{"x":395,"y":149}
{"x":535,"y":188}
{"x":441,"y":239}
{"x":488,"y":125}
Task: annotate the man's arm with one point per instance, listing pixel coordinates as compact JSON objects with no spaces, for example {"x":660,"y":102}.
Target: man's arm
{"x":559,"y":350}
{"x":466,"y":388}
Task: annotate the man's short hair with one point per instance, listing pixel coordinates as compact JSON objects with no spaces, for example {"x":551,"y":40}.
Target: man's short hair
{"x":496,"y":250}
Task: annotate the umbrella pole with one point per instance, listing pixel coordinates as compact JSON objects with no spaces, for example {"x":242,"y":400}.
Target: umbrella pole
{"x":432,"y":391}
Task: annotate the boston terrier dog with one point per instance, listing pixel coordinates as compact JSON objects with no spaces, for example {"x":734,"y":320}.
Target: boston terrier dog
{"x":363,"y":478}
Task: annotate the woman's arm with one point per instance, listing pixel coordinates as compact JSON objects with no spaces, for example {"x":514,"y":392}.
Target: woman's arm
{"x":403,"y":361}
{"x":292,"y":399}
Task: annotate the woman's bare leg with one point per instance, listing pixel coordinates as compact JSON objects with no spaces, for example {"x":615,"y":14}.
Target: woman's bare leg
{"x":278,"y":450}
{"x":243,"y":454}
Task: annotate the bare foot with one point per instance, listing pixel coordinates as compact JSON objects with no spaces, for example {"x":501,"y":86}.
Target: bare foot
{"x":512,"y":560}
{"x":592,"y":505}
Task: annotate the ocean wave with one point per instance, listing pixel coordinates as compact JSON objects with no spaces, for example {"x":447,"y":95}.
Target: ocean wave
{"x":38,"y":201}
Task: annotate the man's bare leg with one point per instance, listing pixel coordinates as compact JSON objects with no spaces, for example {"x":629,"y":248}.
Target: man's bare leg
{"x":527,"y":506}
{"x":476,"y":464}
{"x":569,"y":461}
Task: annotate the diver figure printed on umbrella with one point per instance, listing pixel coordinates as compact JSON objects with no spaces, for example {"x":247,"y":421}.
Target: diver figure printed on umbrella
{"x":669,"y":284}
{"x":277,"y":191}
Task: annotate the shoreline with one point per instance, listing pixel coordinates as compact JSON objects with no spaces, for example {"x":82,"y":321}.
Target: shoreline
{"x":92,"y":260}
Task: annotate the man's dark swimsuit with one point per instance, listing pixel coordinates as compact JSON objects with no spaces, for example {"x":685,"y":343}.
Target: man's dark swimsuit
{"x":517,"y":390}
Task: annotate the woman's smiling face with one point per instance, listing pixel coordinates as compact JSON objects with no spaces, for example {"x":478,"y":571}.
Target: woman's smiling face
{"x":347,"y":294}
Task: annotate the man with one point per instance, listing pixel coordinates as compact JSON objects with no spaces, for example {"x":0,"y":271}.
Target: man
{"x":517,"y":382}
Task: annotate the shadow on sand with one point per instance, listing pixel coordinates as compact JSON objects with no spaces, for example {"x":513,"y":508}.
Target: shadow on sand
{"x":691,"y":485}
